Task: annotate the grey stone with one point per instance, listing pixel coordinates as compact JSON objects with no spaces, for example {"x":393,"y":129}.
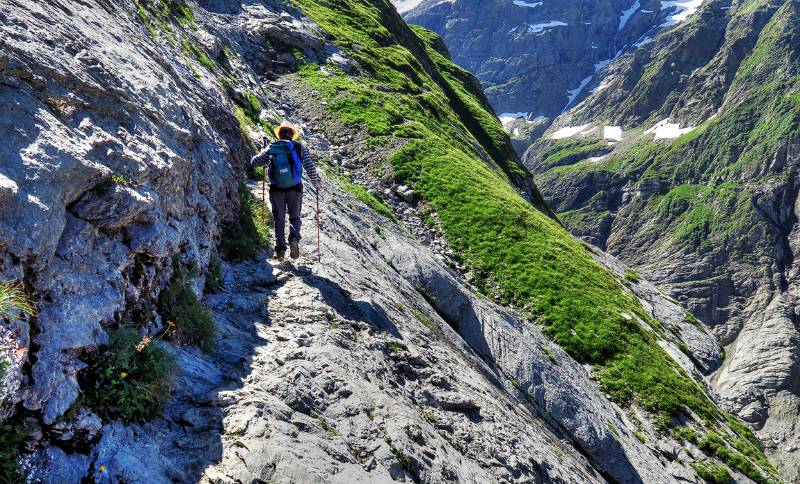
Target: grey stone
{"x":53,"y":466}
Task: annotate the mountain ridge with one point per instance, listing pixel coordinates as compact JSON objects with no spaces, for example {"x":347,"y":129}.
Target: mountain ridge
{"x":421,"y":349}
{"x":537,"y":59}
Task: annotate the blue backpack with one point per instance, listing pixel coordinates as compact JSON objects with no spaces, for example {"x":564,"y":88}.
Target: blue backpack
{"x":287,"y":169}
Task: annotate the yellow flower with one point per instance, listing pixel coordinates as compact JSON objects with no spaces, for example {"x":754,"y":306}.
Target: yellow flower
{"x":101,"y":468}
{"x":123,"y":375}
{"x":143,"y":344}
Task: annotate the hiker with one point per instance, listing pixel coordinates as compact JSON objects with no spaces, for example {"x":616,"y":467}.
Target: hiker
{"x":284,"y":161}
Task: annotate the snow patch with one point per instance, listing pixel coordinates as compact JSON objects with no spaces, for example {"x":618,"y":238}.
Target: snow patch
{"x":613,"y":133}
{"x":506,"y":118}
{"x":520,"y":3}
{"x":404,"y":6}
{"x":683,"y":10}
{"x":602,"y":64}
{"x":569,"y":131}
{"x":596,"y":159}
{"x":626,"y":15}
{"x":573,"y":94}
{"x":536,"y":28}
{"x":666,"y":130}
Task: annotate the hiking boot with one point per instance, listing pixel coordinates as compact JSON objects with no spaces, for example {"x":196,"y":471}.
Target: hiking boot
{"x":280,"y":255}
{"x":294,"y":249}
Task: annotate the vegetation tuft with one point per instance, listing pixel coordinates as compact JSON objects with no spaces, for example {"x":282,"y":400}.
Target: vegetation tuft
{"x":359,"y":192}
{"x":423,"y":318}
{"x":12,"y":441}
{"x":158,"y":16}
{"x":712,"y":472}
{"x":743,"y":454}
{"x":130,"y":378}
{"x":631,"y":276}
{"x":249,"y":234}
{"x":214,"y":281}
{"x":188,"y":319}
{"x":14,"y":301}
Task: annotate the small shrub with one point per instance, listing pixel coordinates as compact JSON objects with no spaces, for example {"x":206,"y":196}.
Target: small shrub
{"x":192,"y":50}
{"x":180,"y":11}
{"x":329,"y":429}
{"x":247,"y":110}
{"x":214,"y":281}
{"x":131,"y":377}
{"x":102,"y":188}
{"x":631,"y":276}
{"x":401,"y":457}
{"x":712,"y":473}
{"x":11,"y":444}
{"x":713,"y":445}
{"x":250,"y":234}
{"x":120,"y":180}
{"x":395,"y":347}
{"x":549,"y":353}
{"x":423,"y":318}
{"x":259,"y":173}
{"x":14,"y":301}
{"x":191,"y":321}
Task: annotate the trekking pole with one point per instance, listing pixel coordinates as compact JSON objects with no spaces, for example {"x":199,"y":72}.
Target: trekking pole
{"x":264,"y":187}
{"x":319,"y":249}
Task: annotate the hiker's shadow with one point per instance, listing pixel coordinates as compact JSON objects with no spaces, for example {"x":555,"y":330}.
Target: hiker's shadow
{"x":344,"y":303}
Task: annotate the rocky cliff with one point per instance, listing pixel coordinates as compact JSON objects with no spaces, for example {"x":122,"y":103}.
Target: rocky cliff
{"x":536,"y":58}
{"x":684,"y":166}
{"x":452,"y":330}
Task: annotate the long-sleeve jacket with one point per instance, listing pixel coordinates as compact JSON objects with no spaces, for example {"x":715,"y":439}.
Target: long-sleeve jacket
{"x":265,"y":159}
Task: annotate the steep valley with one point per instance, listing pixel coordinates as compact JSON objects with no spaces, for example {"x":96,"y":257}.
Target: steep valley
{"x":684,"y":166}
{"x":452,"y":329}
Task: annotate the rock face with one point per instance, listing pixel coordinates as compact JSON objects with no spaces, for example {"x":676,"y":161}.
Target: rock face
{"x":536,"y":58}
{"x":108,"y":156}
{"x":684,"y":166}
{"x":380,"y":362}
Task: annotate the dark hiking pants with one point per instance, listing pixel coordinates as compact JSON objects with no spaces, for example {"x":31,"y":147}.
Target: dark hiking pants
{"x":282,"y":201}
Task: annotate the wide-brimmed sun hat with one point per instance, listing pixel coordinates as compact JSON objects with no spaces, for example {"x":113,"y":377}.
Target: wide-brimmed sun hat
{"x":285,"y":124}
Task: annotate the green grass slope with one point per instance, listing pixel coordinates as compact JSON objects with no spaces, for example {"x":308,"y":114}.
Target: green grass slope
{"x":453,"y":151}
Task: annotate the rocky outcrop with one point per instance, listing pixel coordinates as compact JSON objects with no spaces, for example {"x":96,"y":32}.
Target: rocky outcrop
{"x":110,"y":155}
{"x":691,"y":190}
